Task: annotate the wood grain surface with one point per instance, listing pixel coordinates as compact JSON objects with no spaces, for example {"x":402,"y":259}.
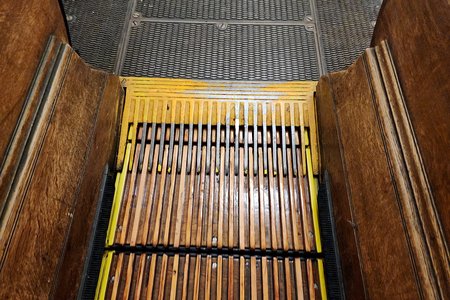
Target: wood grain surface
{"x":389,"y":208}
{"x":25,"y":27}
{"x":417,"y":34}
{"x":49,"y":224}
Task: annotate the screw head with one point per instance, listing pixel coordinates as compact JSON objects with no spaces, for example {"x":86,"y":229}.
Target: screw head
{"x":222,"y":26}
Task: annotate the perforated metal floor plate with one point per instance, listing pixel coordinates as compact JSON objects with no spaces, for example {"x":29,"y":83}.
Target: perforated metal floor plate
{"x":346,"y":28}
{"x":285,"y":10}
{"x":235,"y":52}
{"x":95,"y":28}
{"x":97,"y":33}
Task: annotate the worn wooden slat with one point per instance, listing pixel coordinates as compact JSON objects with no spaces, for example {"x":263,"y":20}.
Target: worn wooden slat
{"x":221,"y":199}
{"x":197,"y":277}
{"x":155,"y":237}
{"x":242,"y":199}
{"x":261,"y":194}
{"x":265,"y":280}
{"x":186,"y":273}
{"x":151,"y":277}
{"x":150,"y":201}
{"x":241,"y":278}
{"x":253,"y":283}
{"x":162,"y":278}
{"x":208,"y":277}
{"x":190,"y":206}
{"x":276,"y":280}
{"x":252,"y":203}
{"x":293,"y":208}
{"x":211,"y":198}
{"x":231,"y":202}
{"x":298,"y":278}
{"x":128,"y":202}
{"x":117,"y":273}
{"x":200,"y":206}
{"x":219,"y":277}
{"x":287,"y":274}
{"x":165,"y":241}
{"x":173,"y":287}
{"x":230,"y":278}
{"x":126,"y":292}
{"x":140,"y":196}
{"x":181,"y":196}
{"x":140,"y":279}
{"x":272,"y":200}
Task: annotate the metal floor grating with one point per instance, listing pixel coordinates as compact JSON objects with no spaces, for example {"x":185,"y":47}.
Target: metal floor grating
{"x":102,"y":31}
{"x":203,"y":51}
{"x":275,"y":10}
{"x":95,"y":29}
{"x":346,"y":27}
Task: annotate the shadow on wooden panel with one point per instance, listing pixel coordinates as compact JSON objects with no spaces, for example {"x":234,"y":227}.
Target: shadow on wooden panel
{"x":384,"y":205}
{"x":51,"y":200}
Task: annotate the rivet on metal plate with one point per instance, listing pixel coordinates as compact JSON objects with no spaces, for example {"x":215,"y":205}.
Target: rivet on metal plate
{"x":222,"y":26}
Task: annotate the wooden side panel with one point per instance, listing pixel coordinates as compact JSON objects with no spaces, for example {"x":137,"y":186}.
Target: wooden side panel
{"x":332,"y":161}
{"x":383,"y":251}
{"x":384,"y":134}
{"x":25,"y":27}
{"x":102,"y":150}
{"x":57,"y":192}
{"x":418,"y":36}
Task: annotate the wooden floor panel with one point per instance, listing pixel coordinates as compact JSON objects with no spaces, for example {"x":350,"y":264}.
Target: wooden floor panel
{"x":227,"y":203}
{"x":190,"y":276}
{"x":216,"y":209}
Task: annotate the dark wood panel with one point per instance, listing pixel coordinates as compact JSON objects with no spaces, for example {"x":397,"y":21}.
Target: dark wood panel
{"x":376,"y":219}
{"x":36,"y":109}
{"x":418,"y":36}
{"x":25,"y":27}
{"x":36,"y":241}
{"x":384,"y":133}
{"x":331,"y":160}
{"x":101,"y":152}
{"x":415,"y":200}
{"x":15,"y":195}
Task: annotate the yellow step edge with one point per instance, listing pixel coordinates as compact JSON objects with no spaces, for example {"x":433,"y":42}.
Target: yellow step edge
{"x":118,"y":194}
{"x":313,"y":191}
{"x":102,"y":284}
{"x":153,"y":94}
